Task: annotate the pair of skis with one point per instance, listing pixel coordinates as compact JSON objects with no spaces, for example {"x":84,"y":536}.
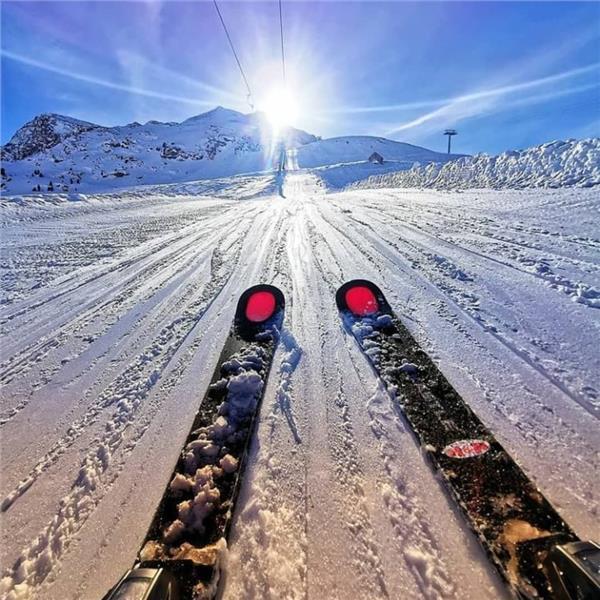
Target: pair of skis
{"x":521,"y":532}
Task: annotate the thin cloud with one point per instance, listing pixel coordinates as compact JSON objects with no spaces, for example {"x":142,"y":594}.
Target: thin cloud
{"x":471,"y":96}
{"x":102,"y":82}
{"x":132,"y":61}
{"x":537,"y":98}
{"x":477,"y":103}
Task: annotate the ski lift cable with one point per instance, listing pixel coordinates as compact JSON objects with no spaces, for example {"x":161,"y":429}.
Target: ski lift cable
{"x":237,"y":60}
{"x":282,"y":45}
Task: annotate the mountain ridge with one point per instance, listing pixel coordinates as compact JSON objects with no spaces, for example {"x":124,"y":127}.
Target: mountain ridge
{"x":58,"y":153}
{"x":54,"y":152}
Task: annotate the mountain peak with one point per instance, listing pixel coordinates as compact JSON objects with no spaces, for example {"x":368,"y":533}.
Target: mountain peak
{"x":218,"y":114}
{"x":76,"y":155}
{"x":56,"y":120}
{"x":42,"y":133}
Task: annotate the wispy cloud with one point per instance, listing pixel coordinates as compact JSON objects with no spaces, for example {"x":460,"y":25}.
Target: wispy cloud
{"x":507,"y":86}
{"x":551,"y":95}
{"x":170,"y":78}
{"x":479,"y":95}
{"x":457,"y":109}
{"x":131,"y":89}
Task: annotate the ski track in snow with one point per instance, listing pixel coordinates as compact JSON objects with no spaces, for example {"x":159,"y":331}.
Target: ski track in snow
{"x":469,"y":304}
{"x":112,"y":316}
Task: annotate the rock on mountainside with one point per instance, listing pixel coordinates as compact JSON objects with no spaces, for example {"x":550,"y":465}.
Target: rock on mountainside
{"x":42,"y":133}
{"x":552,"y":165}
{"x":58,"y":153}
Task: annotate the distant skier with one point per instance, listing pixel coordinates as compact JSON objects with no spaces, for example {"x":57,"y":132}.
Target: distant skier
{"x":282,"y":158}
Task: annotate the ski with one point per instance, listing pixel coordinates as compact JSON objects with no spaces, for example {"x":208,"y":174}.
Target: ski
{"x":519,"y":529}
{"x":181,"y":555}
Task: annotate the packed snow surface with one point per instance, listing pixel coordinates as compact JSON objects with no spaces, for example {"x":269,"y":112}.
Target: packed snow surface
{"x":552,"y":165}
{"x":114,"y":311}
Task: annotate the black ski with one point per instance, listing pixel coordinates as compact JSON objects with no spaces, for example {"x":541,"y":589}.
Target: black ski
{"x":181,"y":554}
{"x":513,"y":520}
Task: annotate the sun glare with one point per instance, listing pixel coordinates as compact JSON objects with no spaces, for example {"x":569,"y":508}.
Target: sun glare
{"x":281,"y":108}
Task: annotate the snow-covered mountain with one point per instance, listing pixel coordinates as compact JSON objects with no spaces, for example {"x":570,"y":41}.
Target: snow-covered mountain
{"x":61,"y":154}
{"x":54,"y":153}
{"x":551,"y":165}
{"x":57,"y":153}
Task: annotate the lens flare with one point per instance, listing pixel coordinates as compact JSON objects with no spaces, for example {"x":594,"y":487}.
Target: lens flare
{"x":281,"y":108}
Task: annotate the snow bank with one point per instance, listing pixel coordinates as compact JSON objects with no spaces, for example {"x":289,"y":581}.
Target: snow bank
{"x":552,"y":165}
{"x":342,"y":175}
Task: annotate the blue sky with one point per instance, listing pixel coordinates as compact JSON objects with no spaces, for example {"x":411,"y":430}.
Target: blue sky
{"x":505,"y":75}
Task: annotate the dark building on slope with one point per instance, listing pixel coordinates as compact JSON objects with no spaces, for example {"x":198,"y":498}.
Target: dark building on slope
{"x":376,"y":158}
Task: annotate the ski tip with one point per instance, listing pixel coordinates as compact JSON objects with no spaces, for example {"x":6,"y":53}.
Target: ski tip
{"x":360,"y":297}
{"x":259,"y":304}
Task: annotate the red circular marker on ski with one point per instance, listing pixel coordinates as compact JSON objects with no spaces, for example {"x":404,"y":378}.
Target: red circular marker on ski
{"x":260,"y":306}
{"x":466,"y":448}
{"x":361,"y":301}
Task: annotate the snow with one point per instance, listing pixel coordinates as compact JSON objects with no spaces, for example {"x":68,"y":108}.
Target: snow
{"x":229,"y":463}
{"x":552,"y":165}
{"x":114,"y":312}
{"x":77,"y":157}
{"x":350,"y":149}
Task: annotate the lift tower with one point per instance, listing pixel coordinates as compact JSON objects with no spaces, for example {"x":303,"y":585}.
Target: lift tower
{"x":450,"y":133}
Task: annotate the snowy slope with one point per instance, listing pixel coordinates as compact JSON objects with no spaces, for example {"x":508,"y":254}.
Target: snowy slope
{"x":551,"y":165}
{"x":339,"y":176}
{"x":113,"y":318}
{"x":80,"y":157}
{"x":356,"y":148}
{"x":341,"y":161}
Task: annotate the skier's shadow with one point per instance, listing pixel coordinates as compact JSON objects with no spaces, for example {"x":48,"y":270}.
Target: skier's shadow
{"x":280,"y":178}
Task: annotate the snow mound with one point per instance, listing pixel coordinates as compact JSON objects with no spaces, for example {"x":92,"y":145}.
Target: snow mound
{"x":340,"y":176}
{"x":571,"y":163}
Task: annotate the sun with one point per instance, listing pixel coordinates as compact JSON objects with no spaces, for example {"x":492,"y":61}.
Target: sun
{"x":281,"y":108}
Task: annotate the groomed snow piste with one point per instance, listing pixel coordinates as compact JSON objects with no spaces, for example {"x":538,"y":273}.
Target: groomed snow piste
{"x":114,"y":311}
